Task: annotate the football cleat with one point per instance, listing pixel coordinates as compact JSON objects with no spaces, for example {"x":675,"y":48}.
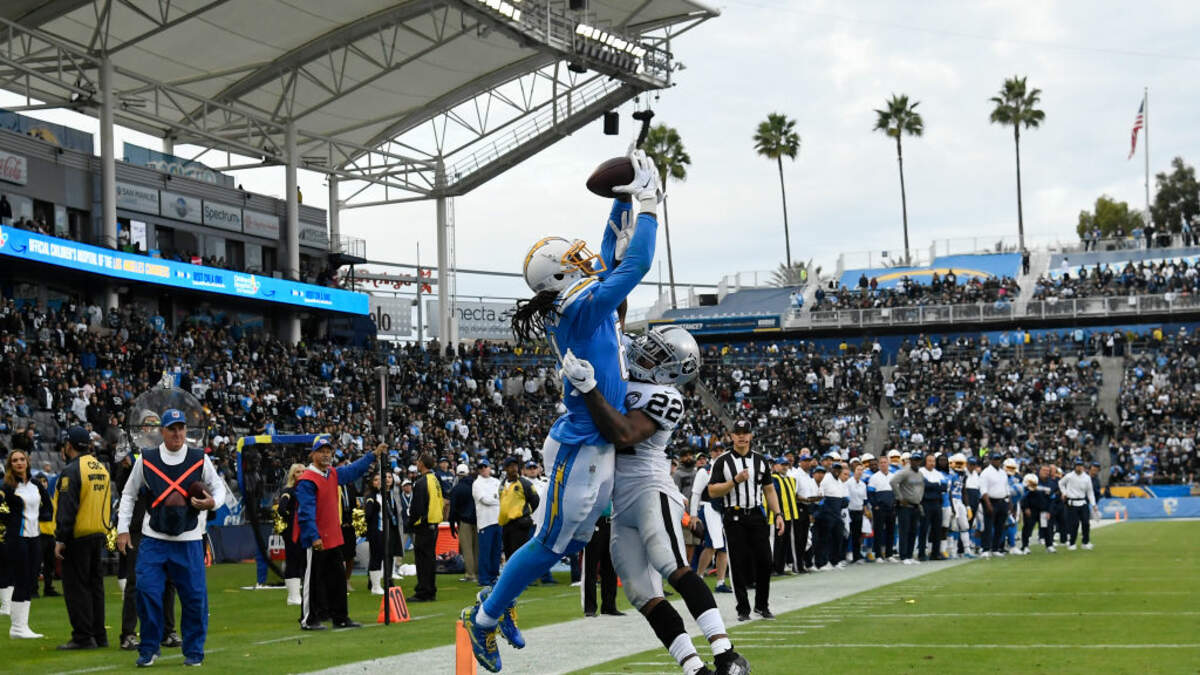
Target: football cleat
{"x":483,"y":640}
{"x":507,"y":623}
{"x":731,"y":663}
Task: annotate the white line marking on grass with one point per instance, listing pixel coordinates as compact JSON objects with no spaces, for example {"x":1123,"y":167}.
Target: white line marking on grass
{"x":913,"y":645}
{"x":88,"y":670}
{"x":1080,"y":613}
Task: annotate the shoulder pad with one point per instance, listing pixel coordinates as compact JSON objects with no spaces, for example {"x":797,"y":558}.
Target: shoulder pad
{"x":663,"y":404}
{"x":573,"y":293}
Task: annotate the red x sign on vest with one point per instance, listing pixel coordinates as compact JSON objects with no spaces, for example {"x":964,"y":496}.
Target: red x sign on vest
{"x":171,"y":484}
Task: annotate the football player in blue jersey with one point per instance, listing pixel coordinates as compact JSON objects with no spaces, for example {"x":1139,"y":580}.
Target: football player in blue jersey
{"x":576,"y":307}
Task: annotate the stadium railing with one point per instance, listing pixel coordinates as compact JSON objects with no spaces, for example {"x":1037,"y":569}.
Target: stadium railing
{"x":1167,"y":303}
{"x":899,"y":316}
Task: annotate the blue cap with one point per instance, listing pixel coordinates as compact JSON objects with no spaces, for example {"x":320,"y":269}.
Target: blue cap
{"x":917,"y":456}
{"x":321,"y":441}
{"x":484,"y":462}
{"x":530,"y":464}
{"x":1095,"y":463}
{"x":1079,"y":461}
{"x":511,"y":460}
{"x":972,"y":460}
{"x":79,"y":437}
{"x":818,"y":468}
{"x":995,"y":455}
{"x":173,"y":416}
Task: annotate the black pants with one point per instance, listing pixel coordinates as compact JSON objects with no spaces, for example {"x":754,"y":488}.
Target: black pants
{"x":425,"y":550}
{"x":789,"y":546}
{"x":48,"y":561}
{"x":800,"y":528}
{"x":129,"y":616}
{"x":908,"y":520}
{"x":324,"y":588}
{"x":83,"y":589}
{"x":883,"y":521}
{"x":1059,"y":514}
{"x":295,"y":558}
{"x":375,"y":545}
{"x":994,"y":526}
{"x":856,"y":535}
{"x":1079,"y":516}
{"x":746,"y":539}
{"x":24,"y":559}
{"x":1046,"y":533}
{"x":597,"y":561}
{"x":931,"y":529}
{"x":514,"y":534}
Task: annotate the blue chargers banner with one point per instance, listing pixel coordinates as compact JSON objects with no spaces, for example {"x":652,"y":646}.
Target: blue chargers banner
{"x":965,"y":267}
{"x":1144,"y":509}
{"x":55,"y":134}
{"x":725,"y":324}
{"x":51,"y":250}
{"x":176,"y":166}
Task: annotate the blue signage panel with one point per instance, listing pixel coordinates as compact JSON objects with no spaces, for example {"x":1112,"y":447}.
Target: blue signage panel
{"x":724,"y":324}
{"x":63,"y":253}
{"x":1139,"y":509}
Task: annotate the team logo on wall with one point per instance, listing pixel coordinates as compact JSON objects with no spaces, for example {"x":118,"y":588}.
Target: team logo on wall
{"x":3,"y":239}
{"x":180,"y":207}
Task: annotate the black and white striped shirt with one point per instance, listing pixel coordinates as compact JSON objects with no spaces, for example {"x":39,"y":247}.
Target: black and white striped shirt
{"x":747,"y":495}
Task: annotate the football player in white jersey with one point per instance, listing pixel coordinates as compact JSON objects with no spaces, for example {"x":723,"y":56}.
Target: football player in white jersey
{"x":647,"y":535}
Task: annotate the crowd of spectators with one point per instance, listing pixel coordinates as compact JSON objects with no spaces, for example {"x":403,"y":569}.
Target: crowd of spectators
{"x":941,"y":290}
{"x":1177,"y":276}
{"x":962,"y":397}
{"x":1159,"y":406}
{"x":796,"y":395}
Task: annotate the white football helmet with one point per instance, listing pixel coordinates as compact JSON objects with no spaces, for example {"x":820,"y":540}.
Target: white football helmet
{"x":666,"y":355}
{"x":553,"y":263}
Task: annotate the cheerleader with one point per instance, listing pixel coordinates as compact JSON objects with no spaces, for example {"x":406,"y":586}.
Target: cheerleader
{"x":293,"y":572}
{"x":28,"y":504}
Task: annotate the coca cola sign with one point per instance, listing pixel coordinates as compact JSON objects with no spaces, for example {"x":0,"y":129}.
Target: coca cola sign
{"x":13,"y":168}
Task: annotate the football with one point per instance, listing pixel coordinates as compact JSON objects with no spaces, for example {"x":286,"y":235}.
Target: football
{"x":196,"y":490}
{"x":610,"y":173}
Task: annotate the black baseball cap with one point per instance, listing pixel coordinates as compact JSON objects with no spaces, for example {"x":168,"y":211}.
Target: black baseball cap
{"x":741,"y":427}
{"x":79,"y":437}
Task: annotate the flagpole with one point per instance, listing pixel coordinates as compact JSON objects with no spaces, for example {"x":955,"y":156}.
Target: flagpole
{"x":1146,"y":146}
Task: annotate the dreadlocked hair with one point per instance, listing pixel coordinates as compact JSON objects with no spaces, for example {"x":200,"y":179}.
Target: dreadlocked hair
{"x":529,"y":321}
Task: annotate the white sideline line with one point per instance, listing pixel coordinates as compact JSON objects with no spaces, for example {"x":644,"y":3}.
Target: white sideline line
{"x":924,"y":615}
{"x":88,"y":670}
{"x":914,"y":645}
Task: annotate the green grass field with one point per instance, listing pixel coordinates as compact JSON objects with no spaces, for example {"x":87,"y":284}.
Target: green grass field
{"x":253,"y":631}
{"x":1112,"y":610}
{"x":1130,"y":606}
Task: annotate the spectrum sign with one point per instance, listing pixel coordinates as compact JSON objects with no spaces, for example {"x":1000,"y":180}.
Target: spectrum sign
{"x":51,"y":250}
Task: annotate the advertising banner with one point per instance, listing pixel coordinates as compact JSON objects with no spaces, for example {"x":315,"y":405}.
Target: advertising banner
{"x":719,"y":325}
{"x":392,"y":316}
{"x":13,"y":168}
{"x":51,"y":250}
{"x":260,"y":224}
{"x":477,"y":320}
{"x":176,"y":166}
{"x":54,"y":134}
{"x":222,"y":216}
{"x":180,"y":207}
{"x":1144,"y":509}
{"x":137,"y":198}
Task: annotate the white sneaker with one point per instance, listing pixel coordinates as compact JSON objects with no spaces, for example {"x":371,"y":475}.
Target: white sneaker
{"x":1087,"y":547}
{"x":985,"y":554}
{"x":841,"y":565}
{"x":1071,"y":547}
{"x":1025,"y":551}
{"x":998,"y":554}
{"x":1051,"y":549}
{"x":576,"y":584}
{"x":1015,"y":551}
{"x":908,"y":561}
{"x":828,"y":567}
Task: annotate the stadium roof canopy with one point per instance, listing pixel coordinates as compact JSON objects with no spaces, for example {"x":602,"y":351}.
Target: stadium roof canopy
{"x":401,"y":100}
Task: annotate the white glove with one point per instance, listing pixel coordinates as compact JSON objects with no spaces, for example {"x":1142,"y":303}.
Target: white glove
{"x":578,"y":372}
{"x":644,"y":188}
{"x":624,"y":235}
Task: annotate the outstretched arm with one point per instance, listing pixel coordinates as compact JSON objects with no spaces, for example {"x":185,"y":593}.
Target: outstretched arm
{"x":617,"y":219}
{"x":611,"y":292}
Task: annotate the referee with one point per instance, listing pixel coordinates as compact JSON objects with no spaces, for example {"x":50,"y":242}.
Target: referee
{"x":743,"y":478}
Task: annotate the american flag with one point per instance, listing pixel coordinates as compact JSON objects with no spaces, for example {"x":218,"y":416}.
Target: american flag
{"x":1138,"y":123}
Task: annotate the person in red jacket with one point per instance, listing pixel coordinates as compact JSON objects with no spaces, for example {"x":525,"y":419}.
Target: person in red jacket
{"x":318,"y":529}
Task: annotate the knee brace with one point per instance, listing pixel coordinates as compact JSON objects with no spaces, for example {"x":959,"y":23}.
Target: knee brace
{"x":695,"y":593}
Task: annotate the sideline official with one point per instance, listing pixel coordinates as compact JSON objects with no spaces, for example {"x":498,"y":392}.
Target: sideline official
{"x":1080,"y":503}
{"x":427,"y":511}
{"x":743,"y":479}
{"x":80,"y":530}
{"x":789,"y":547}
{"x":318,"y":528}
{"x":172,"y":536}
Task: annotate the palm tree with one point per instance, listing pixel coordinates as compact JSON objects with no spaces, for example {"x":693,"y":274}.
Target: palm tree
{"x":664,"y":147}
{"x":898,"y":118}
{"x":775,"y":139}
{"x":1017,"y":107}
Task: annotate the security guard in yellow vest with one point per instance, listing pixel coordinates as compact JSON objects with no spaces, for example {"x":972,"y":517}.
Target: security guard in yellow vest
{"x":46,"y":528}
{"x":81,"y":528}
{"x":792,"y":540}
{"x":518,"y":500}
{"x":427,"y":510}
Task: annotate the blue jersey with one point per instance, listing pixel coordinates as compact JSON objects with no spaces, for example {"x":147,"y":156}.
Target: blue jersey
{"x":587,"y":325}
{"x":947,"y":484}
{"x":957,"y":481}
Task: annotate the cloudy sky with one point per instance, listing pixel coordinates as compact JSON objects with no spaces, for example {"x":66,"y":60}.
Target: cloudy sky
{"x":828,"y":65}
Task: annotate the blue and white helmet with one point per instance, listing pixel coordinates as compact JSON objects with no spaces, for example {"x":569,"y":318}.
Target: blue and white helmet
{"x":666,"y":355}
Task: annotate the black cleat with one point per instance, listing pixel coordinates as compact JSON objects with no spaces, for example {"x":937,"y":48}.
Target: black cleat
{"x":743,"y":617}
{"x":765,"y":613}
{"x":347,"y":623}
{"x":172,"y":640}
{"x":74,"y":644}
{"x":731,"y":663}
